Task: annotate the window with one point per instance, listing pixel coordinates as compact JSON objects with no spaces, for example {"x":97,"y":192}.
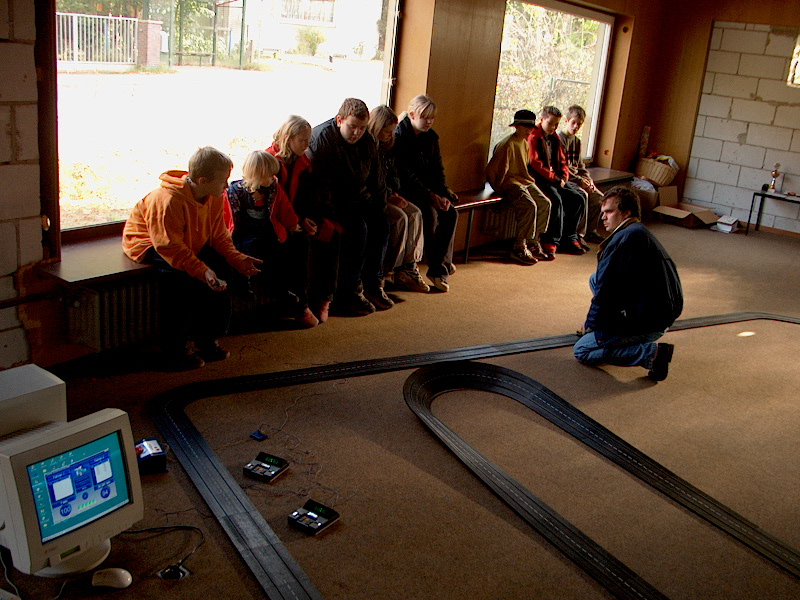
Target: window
{"x":794,"y":70}
{"x":320,"y":11}
{"x":225,"y":74}
{"x":552,"y":54}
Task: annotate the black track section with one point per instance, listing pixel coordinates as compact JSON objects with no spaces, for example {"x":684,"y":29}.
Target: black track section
{"x":270,"y":562}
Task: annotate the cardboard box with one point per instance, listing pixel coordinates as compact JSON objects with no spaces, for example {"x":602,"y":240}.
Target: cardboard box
{"x":682,"y":213}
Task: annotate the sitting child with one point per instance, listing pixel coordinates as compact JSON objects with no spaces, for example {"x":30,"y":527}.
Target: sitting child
{"x":404,"y":249}
{"x":179,"y":227}
{"x":507,"y":173}
{"x":421,"y":172}
{"x":289,"y":147}
{"x":579,"y":174}
{"x":548,"y":165}
{"x":266,"y":226}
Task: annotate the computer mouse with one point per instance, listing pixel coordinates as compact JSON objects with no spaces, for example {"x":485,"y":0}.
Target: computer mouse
{"x":113,"y":577}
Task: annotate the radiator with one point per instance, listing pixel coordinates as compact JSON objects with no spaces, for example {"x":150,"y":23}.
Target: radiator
{"x":114,"y":314}
{"x":499,"y":221}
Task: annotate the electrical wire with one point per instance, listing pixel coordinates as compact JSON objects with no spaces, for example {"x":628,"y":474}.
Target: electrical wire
{"x":5,"y":574}
{"x":174,"y":528}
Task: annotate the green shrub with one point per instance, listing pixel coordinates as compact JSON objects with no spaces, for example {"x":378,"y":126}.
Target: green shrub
{"x":308,"y":40}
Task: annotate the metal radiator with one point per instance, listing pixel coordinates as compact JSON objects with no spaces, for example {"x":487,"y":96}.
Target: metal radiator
{"x":114,"y":314}
{"x":499,"y":221}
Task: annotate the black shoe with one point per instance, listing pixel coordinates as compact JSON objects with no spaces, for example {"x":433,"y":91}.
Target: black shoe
{"x":183,"y":361}
{"x":353,"y":306}
{"x":661,"y":362}
{"x":583,"y":243}
{"x":378,"y":298}
{"x":212,"y":352}
{"x":571,"y":247}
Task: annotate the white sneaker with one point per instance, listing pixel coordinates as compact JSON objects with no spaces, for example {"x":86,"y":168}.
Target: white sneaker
{"x":411,"y":280}
{"x":440,"y":283}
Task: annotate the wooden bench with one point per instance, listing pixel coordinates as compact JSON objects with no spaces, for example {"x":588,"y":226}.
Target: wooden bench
{"x":469,"y":201}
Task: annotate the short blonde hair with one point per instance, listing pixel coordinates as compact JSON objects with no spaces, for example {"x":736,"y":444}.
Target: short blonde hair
{"x":259,"y":168}
{"x":294,"y":125}
{"x":422,"y":106}
{"x":207,"y":162}
{"x":380,"y":117}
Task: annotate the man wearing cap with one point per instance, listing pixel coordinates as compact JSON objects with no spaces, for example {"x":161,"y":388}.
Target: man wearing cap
{"x":507,"y":173}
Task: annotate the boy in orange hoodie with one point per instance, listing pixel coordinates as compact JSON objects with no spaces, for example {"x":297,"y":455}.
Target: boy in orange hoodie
{"x":180,"y":228}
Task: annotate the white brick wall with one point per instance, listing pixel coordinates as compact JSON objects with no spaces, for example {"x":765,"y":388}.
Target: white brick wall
{"x":748,"y":120}
{"x":20,"y":230}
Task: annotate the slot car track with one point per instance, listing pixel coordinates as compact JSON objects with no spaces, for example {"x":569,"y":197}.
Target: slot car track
{"x":279,"y":574}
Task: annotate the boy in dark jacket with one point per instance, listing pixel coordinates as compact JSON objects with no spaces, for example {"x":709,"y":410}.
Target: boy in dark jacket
{"x":637,"y":293}
{"x":344,"y":159}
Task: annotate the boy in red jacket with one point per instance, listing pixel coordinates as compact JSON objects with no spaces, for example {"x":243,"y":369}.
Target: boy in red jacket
{"x":549,"y":168}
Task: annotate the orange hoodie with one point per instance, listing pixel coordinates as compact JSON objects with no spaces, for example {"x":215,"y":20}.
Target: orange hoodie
{"x":170,"y":220}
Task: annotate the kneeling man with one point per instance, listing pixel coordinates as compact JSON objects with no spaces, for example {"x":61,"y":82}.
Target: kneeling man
{"x":637,"y":293}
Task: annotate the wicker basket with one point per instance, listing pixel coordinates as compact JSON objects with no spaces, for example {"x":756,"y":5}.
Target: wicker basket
{"x":658,"y":172}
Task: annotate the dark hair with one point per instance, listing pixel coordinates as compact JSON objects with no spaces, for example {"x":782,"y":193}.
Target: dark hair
{"x":627,"y":199}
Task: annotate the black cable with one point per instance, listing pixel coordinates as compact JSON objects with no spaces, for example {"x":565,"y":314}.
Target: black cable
{"x":175,"y":567}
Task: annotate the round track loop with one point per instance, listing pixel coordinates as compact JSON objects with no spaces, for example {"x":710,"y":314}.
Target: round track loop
{"x":279,"y":575}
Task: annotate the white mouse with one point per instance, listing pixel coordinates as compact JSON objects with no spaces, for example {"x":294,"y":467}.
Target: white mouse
{"x":113,"y":577}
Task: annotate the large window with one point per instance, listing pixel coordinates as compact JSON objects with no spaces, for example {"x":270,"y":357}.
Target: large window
{"x":224,"y":73}
{"x":552,"y":54}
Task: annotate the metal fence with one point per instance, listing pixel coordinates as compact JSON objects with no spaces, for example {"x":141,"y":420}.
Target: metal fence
{"x":95,"y":39}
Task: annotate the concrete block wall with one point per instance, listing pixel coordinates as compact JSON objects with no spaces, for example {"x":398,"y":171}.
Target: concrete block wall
{"x":748,"y":120}
{"x":20,"y":206}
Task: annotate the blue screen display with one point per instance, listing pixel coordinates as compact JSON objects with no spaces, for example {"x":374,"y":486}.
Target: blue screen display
{"x":79,"y":486}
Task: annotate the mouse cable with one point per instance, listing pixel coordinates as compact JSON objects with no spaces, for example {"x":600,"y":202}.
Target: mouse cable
{"x":167,"y":528}
{"x":5,"y":574}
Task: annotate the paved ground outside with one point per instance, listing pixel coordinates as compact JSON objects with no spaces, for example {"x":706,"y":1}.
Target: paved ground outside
{"x":118,"y":132}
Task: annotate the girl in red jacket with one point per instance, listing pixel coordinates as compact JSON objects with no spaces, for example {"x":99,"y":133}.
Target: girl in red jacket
{"x":264,"y":222}
{"x":289,"y":147}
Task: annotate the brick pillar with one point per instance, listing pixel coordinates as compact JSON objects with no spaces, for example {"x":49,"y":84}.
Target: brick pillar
{"x":149,"y":39}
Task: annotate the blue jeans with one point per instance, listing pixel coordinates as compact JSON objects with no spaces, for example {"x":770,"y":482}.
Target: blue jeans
{"x":631,"y":351}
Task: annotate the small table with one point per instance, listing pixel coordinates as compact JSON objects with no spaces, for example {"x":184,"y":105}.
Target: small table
{"x":762,"y":195}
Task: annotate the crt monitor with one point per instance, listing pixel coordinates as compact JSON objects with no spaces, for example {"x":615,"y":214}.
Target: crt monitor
{"x":66,"y":488}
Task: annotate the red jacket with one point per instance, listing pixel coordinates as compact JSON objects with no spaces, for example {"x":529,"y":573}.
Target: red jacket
{"x":291,"y":184}
{"x":540,"y":165}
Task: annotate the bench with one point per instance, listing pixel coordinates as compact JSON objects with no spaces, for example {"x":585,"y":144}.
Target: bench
{"x":469,"y":201}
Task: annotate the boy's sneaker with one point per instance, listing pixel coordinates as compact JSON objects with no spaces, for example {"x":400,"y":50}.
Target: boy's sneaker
{"x":411,"y":279}
{"x":321,"y":310}
{"x":661,"y":362}
{"x":440,"y":283}
{"x":307,"y":320}
{"x":212,"y":352}
{"x":451,"y":268}
{"x":571,"y":247}
{"x":183,"y":360}
{"x":355,"y":305}
{"x":583,"y":243}
{"x":548,"y":251}
{"x":522,"y":255}
{"x":378,"y":298}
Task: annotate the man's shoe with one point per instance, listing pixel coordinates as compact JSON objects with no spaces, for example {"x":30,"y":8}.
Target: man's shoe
{"x":212,"y":352}
{"x":379,"y":298}
{"x":522,"y":255}
{"x":571,"y":247}
{"x":661,"y":362}
{"x":440,"y":283}
{"x":307,"y":320}
{"x":411,"y":279}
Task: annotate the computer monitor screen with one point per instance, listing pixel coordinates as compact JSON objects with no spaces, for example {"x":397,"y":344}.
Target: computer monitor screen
{"x":77,"y":487}
{"x":66,"y":489}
